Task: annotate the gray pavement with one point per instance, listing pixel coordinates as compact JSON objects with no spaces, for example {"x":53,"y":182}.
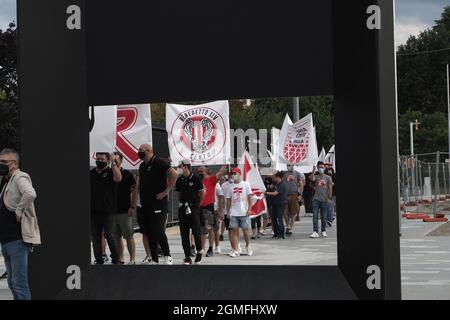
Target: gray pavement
{"x":425,"y":259}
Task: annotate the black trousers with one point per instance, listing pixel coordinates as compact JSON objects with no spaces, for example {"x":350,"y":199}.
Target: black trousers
{"x":256,"y":223}
{"x":307,"y":199}
{"x":154,"y":224}
{"x":101,"y":222}
{"x":188,"y":222}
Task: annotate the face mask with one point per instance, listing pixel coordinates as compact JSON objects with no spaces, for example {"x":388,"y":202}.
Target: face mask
{"x":235,"y":178}
{"x":321,"y":170}
{"x":141,"y":155}
{"x":101,"y":165}
{"x":180,"y":171}
{"x":201,"y":176}
{"x":4,"y":169}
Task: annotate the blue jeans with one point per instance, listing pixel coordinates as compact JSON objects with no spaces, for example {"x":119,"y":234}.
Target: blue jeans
{"x":15,"y":254}
{"x":330,"y":214}
{"x":277,"y":220}
{"x":322,"y":207}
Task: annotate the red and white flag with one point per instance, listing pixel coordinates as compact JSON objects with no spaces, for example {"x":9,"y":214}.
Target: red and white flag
{"x":250,"y":173}
{"x":123,"y":129}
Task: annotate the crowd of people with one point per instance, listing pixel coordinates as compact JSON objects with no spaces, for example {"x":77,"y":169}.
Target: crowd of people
{"x":210,"y":203}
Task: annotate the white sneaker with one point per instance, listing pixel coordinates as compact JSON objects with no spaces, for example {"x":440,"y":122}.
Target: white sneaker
{"x":249,"y":251}
{"x":153,"y":263}
{"x":131,"y":262}
{"x":217,"y":250}
{"x":146,"y":260}
{"x":168,"y":260}
{"x":324,"y":234}
{"x":234,"y":254}
{"x":314,"y":235}
{"x":263,"y":232}
{"x":240,"y":249}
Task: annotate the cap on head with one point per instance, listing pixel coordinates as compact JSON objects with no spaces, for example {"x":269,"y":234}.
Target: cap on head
{"x":184,"y":163}
{"x":236,"y":170}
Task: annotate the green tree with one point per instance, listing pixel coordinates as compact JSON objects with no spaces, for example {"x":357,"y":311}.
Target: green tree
{"x":9,"y":113}
{"x":421,"y":68}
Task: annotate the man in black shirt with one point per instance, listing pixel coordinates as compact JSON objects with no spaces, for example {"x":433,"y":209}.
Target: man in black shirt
{"x":278,"y":200}
{"x":156,"y":179}
{"x":126,"y":195}
{"x":104,"y":182}
{"x":192,"y":194}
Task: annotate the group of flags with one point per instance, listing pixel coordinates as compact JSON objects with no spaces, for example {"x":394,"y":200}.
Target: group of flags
{"x":201,"y":134}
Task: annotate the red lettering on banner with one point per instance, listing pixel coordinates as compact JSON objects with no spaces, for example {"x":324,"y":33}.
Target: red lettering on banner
{"x":126,"y":119}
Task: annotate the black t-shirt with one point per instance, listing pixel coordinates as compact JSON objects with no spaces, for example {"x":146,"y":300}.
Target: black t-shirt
{"x":103,"y":192}
{"x":189,"y":188}
{"x":124,"y":191}
{"x":153,"y":180}
{"x":10,"y":229}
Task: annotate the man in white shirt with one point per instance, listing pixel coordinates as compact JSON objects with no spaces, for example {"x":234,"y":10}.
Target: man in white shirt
{"x":239,"y":203}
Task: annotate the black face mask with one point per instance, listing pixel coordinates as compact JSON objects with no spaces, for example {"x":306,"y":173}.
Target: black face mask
{"x":4,"y":169}
{"x":101,"y":165}
{"x":141,"y":155}
{"x":201,"y":176}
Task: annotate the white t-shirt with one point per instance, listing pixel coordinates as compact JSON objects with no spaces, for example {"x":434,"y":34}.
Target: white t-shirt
{"x":238,"y":193}
{"x":219,"y":193}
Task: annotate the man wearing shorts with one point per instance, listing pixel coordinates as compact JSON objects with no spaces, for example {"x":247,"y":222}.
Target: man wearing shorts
{"x":126,"y":195}
{"x":239,"y":203}
{"x":228,"y":183}
{"x":209,"y":222}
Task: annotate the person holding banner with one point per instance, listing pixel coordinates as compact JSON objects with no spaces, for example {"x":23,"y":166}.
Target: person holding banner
{"x":156,"y":179}
{"x":239,"y":203}
{"x":321,"y":200}
{"x":104,"y":182}
{"x":191,"y":194}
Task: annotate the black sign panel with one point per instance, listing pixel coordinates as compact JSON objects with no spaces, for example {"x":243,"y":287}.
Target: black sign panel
{"x":151,"y":50}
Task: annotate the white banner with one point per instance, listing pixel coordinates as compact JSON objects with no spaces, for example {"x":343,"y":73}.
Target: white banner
{"x":200,"y":134}
{"x":298,"y":145}
{"x":102,"y":137}
{"x":124,"y":128}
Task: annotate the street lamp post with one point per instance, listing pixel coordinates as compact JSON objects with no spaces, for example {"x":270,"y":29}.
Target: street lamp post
{"x":411,"y":136}
{"x":448,"y":108}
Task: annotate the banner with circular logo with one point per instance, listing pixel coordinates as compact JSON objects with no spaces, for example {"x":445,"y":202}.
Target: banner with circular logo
{"x":199,"y":133}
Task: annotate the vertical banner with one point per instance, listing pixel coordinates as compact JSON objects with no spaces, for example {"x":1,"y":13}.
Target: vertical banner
{"x":134,"y":128}
{"x":199,"y":133}
{"x":298,"y":145}
{"x":102,"y":137}
{"x":251,"y":174}
{"x":120,"y":128}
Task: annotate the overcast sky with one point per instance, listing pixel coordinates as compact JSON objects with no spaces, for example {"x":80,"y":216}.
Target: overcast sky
{"x":412,"y":16}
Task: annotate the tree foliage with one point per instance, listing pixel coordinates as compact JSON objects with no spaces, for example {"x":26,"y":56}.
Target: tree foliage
{"x":422,"y":87}
{"x":9,"y":113}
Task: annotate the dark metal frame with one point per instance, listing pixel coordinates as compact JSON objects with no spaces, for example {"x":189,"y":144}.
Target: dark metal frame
{"x":59,"y":78}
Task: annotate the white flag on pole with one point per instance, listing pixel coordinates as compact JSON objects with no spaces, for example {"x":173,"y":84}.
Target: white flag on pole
{"x":322,"y":155}
{"x":331,"y":157}
{"x":199,"y":133}
{"x":250,"y":173}
{"x":123,"y":129}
